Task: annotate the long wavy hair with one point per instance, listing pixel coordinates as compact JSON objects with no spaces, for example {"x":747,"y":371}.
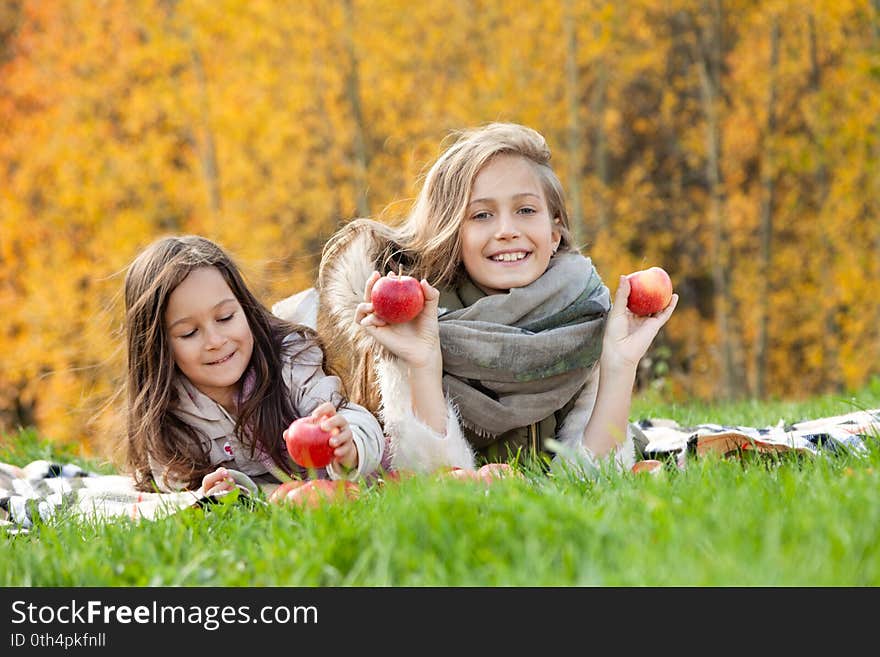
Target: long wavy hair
{"x":153,"y":430}
{"x":427,"y":242}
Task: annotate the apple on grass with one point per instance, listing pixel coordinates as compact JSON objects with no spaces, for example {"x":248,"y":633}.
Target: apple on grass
{"x":308,"y":444}
{"x":397,"y":298}
{"x":486,"y":473}
{"x":650,"y":291}
{"x":314,"y":493}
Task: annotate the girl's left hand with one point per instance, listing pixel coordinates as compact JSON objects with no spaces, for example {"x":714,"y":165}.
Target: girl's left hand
{"x":342,"y":439}
{"x":627,"y":335}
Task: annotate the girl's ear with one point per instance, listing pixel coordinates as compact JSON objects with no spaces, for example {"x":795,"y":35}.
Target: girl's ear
{"x":556,"y":234}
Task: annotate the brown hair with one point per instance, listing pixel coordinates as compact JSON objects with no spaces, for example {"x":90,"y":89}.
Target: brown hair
{"x":154,"y":431}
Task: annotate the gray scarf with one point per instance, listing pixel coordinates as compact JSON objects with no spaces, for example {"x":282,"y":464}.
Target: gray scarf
{"x":532,"y":347}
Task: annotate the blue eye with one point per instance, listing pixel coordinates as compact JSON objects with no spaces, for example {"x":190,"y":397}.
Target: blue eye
{"x":484,"y":214}
{"x":527,"y":210}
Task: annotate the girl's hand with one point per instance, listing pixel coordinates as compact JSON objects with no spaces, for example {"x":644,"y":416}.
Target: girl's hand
{"x":416,"y":342}
{"x":341,"y":438}
{"x":218,"y":481}
{"x":628,"y":336}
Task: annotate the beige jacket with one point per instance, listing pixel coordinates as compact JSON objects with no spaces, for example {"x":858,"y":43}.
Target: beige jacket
{"x":413,"y":444}
{"x":309,"y":387}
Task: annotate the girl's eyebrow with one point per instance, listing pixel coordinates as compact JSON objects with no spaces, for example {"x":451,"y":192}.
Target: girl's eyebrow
{"x":186,"y":319}
{"x":515,"y":196}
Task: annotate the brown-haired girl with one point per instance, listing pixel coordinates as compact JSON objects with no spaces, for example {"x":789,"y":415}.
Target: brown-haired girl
{"x":214,"y":379}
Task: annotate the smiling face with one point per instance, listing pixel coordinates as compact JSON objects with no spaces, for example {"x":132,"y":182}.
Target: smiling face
{"x":507,"y":235}
{"x":209,"y":334}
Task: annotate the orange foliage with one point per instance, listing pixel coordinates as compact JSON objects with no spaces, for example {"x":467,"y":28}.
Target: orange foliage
{"x":264,"y":126}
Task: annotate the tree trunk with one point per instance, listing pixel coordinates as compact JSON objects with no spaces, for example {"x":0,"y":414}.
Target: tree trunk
{"x":352,"y":90}
{"x":828,"y":254}
{"x":598,"y":102}
{"x":708,"y":58}
{"x":202,"y":136}
{"x":768,"y":174}
{"x":874,"y":183}
{"x":207,"y":147}
{"x":10,"y":18}
{"x":575,"y":142}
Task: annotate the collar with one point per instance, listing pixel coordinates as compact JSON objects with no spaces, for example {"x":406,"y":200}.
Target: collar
{"x":192,"y":404}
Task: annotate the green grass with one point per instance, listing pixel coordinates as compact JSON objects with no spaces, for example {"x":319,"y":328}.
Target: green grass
{"x":751,"y":522}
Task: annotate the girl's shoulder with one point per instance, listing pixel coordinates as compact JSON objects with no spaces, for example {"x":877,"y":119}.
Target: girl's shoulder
{"x":301,"y":347}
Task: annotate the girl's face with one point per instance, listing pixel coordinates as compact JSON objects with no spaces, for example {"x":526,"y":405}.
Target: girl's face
{"x":508,"y":235}
{"x":210,"y":337}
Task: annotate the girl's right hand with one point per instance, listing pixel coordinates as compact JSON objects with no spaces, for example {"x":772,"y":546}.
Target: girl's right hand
{"x":219,"y":481}
{"x":416,"y":342}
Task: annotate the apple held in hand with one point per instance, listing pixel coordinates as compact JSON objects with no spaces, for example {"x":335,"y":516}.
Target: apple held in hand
{"x":308,"y":444}
{"x":397,"y":298}
{"x":650,"y":291}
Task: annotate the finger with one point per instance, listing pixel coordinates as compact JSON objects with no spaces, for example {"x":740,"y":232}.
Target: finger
{"x":372,"y":320}
{"x":621,"y":296}
{"x":431,"y":293}
{"x":321,"y":410}
{"x":212,"y":478}
{"x":333,"y":424}
{"x":345,"y":452}
{"x":219,"y":487}
{"x":362,"y":310}
{"x":666,"y":313}
{"x":368,"y":288}
{"x":341,"y":438}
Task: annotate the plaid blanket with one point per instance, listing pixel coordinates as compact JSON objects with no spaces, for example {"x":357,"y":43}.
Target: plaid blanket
{"x":839,"y":434}
{"x":44,"y":491}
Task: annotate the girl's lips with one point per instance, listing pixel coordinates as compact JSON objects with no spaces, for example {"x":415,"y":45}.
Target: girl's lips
{"x":222,"y":360}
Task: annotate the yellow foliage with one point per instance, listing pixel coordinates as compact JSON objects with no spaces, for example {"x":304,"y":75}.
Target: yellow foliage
{"x":265,"y":125}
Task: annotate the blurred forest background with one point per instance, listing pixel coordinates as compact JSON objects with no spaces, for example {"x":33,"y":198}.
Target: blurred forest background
{"x":734,"y":142}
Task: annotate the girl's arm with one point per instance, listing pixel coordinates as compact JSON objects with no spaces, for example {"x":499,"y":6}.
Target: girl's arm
{"x":416,"y":344}
{"x":627,"y":338}
{"x":311,"y":387}
{"x":424,"y":429}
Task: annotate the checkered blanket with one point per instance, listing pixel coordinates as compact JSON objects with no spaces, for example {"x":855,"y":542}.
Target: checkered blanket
{"x":44,"y":492}
{"x":830,"y":435}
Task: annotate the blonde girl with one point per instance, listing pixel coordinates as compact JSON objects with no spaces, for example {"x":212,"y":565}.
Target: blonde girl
{"x":518,"y":350}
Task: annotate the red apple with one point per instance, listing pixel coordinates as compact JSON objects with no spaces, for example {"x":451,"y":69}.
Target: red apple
{"x":486,"y":473}
{"x":397,"y":298}
{"x":279,"y":495}
{"x":314,"y":493}
{"x":308,"y":444}
{"x":648,"y":465}
{"x":650,"y":291}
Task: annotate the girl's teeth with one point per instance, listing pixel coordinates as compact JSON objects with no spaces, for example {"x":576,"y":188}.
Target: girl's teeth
{"x":509,"y":257}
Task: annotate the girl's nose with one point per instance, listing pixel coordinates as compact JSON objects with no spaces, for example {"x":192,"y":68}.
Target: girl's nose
{"x":214,"y":338}
{"x":506,"y":227}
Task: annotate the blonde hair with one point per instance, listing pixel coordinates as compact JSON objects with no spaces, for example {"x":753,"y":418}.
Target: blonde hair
{"x":426,"y":244}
